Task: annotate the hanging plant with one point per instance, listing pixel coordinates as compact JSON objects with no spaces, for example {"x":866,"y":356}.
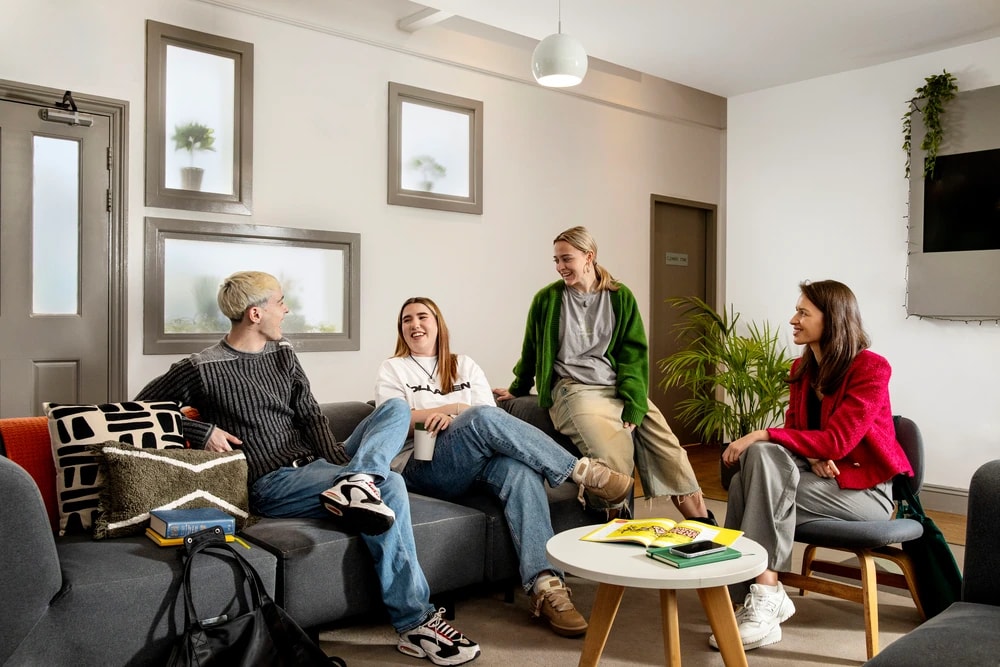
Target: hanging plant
{"x":936,"y":92}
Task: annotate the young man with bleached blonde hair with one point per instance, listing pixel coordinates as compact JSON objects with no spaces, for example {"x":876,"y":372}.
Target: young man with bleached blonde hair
{"x":251,"y":393}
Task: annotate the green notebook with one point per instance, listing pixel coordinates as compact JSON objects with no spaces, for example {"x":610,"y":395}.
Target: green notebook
{"x":663,"y":555}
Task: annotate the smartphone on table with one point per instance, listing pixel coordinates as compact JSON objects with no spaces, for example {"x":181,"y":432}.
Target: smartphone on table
{"x":699,"y":548}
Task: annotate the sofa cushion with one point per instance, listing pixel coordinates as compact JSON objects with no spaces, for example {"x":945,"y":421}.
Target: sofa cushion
{"x":25,"y":441}
{"x":963,"y":634}
{"x":139,"y":480}
{"x":145,"y":424}
{"x":325,"y":574}
{"x":119,"y":606}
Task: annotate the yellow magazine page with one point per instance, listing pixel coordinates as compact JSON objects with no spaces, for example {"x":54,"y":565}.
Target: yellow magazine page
{"x":660,"y":532}
{"x":691,"y":531}
{"x":638,"y":531}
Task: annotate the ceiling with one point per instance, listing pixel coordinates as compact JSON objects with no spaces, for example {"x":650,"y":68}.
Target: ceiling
{"x":730,"y":47}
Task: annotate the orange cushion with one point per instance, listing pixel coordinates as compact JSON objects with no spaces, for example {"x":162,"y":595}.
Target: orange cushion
{"x":26,"y":441}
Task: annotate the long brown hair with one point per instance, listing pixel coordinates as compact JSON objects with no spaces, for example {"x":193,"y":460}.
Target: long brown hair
{"x":447,"y":369}
{"x":843,"y":334}
{"x":580,"y":238}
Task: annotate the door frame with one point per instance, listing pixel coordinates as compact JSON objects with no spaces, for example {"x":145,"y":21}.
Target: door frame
{"x":117,"y":113}
{"x":711,"y":244}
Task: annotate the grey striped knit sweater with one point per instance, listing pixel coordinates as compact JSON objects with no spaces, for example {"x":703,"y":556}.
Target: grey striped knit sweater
{"x":262,"y":398}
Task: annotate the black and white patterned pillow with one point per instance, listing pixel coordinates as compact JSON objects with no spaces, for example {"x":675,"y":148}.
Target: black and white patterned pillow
{"x":143,"y":424}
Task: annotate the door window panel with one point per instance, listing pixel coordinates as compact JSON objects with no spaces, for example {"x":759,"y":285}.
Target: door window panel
{"x":55,"y":219}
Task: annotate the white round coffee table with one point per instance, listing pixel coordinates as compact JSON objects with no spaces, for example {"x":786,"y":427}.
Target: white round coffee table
{"x":619,"y":566}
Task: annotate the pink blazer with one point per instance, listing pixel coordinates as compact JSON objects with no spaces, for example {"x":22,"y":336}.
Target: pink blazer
{"x":856,"y":429}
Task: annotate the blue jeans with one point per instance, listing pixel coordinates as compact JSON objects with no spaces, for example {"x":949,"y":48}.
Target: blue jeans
{"x":513,"y":458}
{"x":294,"y":492}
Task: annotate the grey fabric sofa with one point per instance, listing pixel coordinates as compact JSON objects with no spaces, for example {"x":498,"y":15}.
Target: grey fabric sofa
{"x":112,"y":602}
{"x":967,"y":632}
{"x":76,"y":601}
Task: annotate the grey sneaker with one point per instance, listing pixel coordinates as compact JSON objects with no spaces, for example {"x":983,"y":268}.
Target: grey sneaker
{"x":759,"y":617}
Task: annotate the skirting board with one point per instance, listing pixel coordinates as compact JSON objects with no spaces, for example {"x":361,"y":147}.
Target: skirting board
{"x":945,"y":499}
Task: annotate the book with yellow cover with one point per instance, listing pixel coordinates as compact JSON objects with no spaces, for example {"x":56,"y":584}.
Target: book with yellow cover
{"x":179,"y":541}
{"x":661,"y":532}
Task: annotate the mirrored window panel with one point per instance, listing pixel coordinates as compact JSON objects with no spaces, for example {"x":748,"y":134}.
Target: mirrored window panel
{"x":311,"y":280}
{"x":55,"y":228}
{"x":199,"y":121}
{"x":435,"y":150}
{"x":187,"y":260}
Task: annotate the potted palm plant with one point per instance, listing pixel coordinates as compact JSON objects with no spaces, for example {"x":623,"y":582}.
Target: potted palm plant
{"x":193,"y":137}
{"x":737,"y":381}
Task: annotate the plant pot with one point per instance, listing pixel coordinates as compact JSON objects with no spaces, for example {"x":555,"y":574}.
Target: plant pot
{"x":191,"y":178}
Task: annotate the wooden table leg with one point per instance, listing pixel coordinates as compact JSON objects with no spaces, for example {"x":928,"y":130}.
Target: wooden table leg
{"x":719,"y":609}
{"x":602,"y":616}
{"x":671,"y":631}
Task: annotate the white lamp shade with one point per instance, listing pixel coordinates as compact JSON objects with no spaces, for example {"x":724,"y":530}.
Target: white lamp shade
{"x":559,"y":61}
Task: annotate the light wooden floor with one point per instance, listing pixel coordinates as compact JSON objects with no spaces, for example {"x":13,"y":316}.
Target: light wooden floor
{"x":705,"y":461}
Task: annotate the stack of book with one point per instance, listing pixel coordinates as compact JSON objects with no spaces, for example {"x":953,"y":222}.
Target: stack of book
{"x":169,"y":527}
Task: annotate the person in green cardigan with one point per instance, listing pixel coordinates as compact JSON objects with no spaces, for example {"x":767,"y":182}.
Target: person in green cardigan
{"x":585,"y":349}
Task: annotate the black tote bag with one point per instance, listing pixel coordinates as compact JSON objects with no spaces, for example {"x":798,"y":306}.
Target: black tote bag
{"x":938,"y":579}
{"x":264,"y":635}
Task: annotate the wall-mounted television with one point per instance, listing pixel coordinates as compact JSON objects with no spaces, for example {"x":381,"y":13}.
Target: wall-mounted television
{"x":962,"y":203}
{"x":953,"y":264}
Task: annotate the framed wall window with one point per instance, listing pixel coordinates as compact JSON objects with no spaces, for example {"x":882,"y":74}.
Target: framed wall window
{"x":199,"y":120}
{"x":435,"y":150}
{"x":186,"y":261}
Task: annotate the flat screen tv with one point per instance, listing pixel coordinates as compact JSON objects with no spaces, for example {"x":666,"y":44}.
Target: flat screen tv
{"x":962,"y":203}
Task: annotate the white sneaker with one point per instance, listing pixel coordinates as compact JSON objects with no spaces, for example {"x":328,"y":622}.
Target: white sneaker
{"x":358,"y":505}
{"x":437,"y":641}
{"x":759,"y":617}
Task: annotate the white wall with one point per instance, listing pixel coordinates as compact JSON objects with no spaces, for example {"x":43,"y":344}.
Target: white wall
{"x":552,"y":159}
{"x":816,"y":190}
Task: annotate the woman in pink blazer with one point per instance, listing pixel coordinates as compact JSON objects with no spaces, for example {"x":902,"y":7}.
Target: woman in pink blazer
{"x":835,"y":457}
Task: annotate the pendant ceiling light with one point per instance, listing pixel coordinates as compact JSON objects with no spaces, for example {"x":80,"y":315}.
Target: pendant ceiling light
{"x":559,"y":61}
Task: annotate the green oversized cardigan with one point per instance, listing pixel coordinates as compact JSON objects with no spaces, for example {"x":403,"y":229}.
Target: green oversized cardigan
{"x":628,"y":351}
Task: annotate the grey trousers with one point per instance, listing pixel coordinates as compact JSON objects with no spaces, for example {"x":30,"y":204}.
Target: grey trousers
{"x":775,"y":491}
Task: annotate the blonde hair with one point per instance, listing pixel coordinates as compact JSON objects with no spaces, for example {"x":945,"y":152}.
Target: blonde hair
{"x":447,"y":369}
{"x":580,"y":238}
{"x":243,"y":290}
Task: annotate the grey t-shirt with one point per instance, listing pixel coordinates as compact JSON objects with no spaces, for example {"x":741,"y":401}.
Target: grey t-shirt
{"x":585,"y":326}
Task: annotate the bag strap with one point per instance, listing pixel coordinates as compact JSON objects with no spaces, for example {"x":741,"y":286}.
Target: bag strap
{"x":195,"y":544}
{"x":909,"y":503}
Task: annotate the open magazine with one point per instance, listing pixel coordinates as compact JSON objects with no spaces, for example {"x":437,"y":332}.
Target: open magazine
{"x":661,"y":532}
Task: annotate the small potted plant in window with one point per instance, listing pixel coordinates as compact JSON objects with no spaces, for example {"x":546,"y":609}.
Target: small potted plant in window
{"x":429,"y":168}
{"x":193,"y":137}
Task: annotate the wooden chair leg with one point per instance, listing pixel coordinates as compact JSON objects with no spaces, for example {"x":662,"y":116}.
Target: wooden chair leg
{"x":807,"y":560}
{"x":869,"y":594}
{"x":906,"y":566}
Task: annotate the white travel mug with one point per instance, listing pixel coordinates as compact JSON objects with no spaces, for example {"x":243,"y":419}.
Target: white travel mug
{"x":423,"y":443}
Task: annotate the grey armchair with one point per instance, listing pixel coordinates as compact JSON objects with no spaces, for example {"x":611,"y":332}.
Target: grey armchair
{"x":967,"y":632}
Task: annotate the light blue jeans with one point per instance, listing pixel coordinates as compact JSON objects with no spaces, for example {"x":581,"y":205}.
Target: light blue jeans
{"x":513,"y":458}
{"x":294,"y":492}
